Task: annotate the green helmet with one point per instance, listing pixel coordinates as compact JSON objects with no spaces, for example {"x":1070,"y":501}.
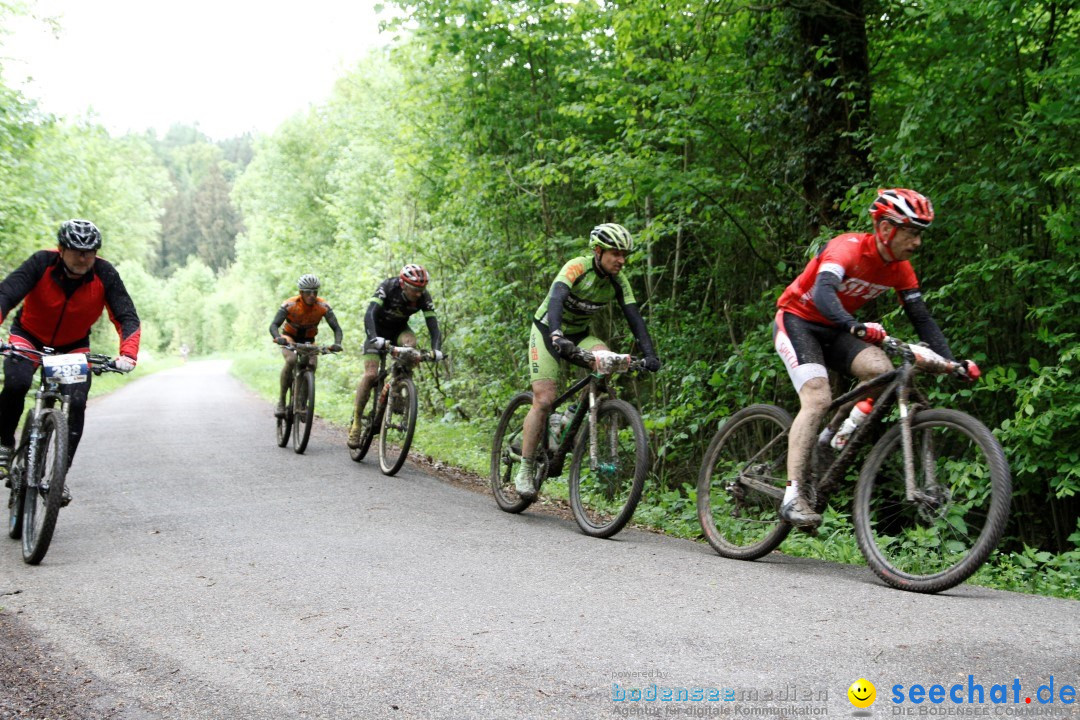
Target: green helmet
{"x":611,"y":236}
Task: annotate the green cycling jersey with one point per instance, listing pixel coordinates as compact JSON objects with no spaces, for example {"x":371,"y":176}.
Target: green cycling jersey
{"x":589,"y":293}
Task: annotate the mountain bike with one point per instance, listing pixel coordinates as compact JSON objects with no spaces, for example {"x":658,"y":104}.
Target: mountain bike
{"x":40,"y":463}
{"x":931,"y":499}
{"x":610,"y":457}
{"x":392,"y":410}
{"x":300,"y":398}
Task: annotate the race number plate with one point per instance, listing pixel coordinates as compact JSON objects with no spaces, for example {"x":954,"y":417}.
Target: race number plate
{"x":608,"y":362}
{"x":66,"y":369}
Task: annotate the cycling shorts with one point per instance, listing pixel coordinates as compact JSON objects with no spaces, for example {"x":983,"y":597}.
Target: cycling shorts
{"x":809,"y":350}
{"x":544,"y":362}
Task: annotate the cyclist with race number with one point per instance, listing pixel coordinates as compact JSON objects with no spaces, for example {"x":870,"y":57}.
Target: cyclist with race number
{"x":301,"y":315}
{"x":63,"y":292}
{"x":814,"y":328}
{"x":560,"y":331}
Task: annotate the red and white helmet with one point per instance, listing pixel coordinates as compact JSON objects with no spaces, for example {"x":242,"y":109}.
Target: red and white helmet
{"x":902,"y":207}
{"x":414,"y":275}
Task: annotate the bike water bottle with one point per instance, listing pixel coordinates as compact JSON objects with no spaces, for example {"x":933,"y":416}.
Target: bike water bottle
{"x":858,"y":413}
{"x":556,"y":423}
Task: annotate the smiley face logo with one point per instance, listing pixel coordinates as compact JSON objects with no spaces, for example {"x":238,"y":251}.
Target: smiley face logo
{"x":862,"y":693}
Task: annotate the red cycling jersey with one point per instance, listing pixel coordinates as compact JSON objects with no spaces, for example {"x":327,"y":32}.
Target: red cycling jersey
{"x":864,"y":275}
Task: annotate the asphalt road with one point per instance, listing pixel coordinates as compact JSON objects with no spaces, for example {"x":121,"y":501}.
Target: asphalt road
{"x":202,"y":572}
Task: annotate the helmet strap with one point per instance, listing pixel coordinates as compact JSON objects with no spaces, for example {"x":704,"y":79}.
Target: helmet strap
{"x":596,"y":260}
{"x":886,"y":240}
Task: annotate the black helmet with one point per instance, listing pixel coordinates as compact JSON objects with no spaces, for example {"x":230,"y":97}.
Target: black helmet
{"x":79,"y":235}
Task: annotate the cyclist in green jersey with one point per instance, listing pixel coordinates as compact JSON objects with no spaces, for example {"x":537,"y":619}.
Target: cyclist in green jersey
{"x":560,"y":331}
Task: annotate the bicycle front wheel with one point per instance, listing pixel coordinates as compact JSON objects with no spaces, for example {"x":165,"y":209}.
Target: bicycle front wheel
{"x":742,"y":482}
{"x":303,"y":411}
{"x":398,"y":426}
{"x":605,"y":495}
{"x":17,"y":479}
{"x":284,"y":424}
{"x":506,"y":453}
{"x":45,"y":487}
{"x":963,"y":488}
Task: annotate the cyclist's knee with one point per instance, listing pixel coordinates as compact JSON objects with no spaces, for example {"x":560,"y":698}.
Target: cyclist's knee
{"x":543,"y":395}
{"x":870,"y":363}
{"x":815,"y":396}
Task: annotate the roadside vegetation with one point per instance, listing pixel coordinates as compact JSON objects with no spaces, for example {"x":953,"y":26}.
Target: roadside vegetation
{"x":733,"y":139}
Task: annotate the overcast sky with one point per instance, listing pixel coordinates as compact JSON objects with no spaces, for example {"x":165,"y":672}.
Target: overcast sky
{"x":229,"y":65}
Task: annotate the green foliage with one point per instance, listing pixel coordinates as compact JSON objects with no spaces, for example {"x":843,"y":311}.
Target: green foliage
{"x":732,"y":140}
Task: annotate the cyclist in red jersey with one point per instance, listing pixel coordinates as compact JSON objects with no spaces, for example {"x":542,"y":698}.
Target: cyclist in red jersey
{"x":301,"y":315}
{"x":63,"y":292}
{"x":814,"y":328}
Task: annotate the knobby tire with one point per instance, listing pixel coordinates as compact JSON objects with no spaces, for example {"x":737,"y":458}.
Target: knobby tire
{"x":506,"y":453}
{"x":398,"y":426}
{"x":40,"y":510}
{"x":929,"y":549}
{"x":304,"y":414}
{"x":739,"y":521}
{"x":604,"y":499}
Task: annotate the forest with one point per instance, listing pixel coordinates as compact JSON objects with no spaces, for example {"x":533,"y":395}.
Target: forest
{"x":732,"y":138}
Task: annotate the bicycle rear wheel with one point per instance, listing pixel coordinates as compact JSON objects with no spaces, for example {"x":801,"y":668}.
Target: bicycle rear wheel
{"x":304,"y":412}
{"x":506,"y":453}
{"x":45,"y":486}
{"x":742,"y":481}
{"x":370,"y":421}
{"x":964,"y":489}
{"x":17,"y":479}
{"x":284,"y":424}
{"x":604,"y":497}
{"x":398,"y":426}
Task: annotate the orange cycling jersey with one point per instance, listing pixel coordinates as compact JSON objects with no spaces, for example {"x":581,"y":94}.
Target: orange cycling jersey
{"x":301,"y":319}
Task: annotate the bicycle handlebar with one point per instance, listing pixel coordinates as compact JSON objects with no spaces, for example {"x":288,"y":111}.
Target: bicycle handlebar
{"x":405,"y":352}
{"x":610,"y":363}
{"x":98,"y":363}
{"x":309,"y":348}
{"x":923,"y":358}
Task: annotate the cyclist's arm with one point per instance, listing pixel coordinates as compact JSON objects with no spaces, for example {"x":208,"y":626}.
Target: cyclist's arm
{"x":637,"y":326}
{"x":331,"y":320}
{"x":556,"y":298}
{"x":369,"y":320}
{"x":925,"y":326}
{"x":22,"y":280}
{"x":433,"y":330}
{"x":121,"y":309}
{"x":828,"y":302}
{"x":279,"y":318}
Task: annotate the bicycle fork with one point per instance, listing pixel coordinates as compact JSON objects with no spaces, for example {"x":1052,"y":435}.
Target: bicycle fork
{"x":911,"y":488}
{"x":594,"y":442}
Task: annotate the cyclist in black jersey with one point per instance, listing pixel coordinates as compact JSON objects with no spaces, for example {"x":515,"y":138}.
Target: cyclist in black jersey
{"x":386,"y":323}
{"x":583,"y":287}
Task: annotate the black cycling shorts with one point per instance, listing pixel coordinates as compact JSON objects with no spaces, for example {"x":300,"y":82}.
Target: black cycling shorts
{"x":807,"y":348}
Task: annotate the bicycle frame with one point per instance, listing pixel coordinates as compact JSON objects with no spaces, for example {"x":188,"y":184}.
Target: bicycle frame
{"x":592,"y":387}
{"x":899,"y":387}
{"x":402,"y":367}
{"x":47,"y":395}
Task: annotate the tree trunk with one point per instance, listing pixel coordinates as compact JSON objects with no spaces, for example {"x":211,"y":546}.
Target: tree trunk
{"x":836,"y":63}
